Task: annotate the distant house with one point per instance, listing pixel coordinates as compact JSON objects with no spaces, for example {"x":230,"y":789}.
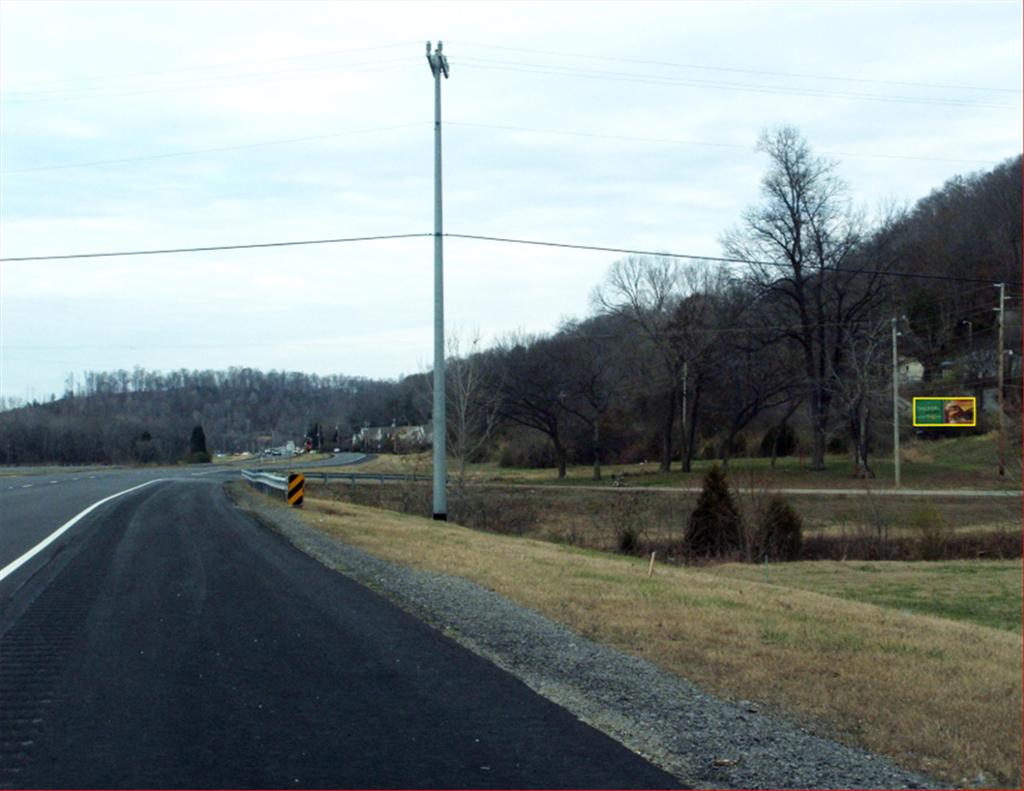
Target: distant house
{"x":394,"y":439}
{"x":910,"y":370}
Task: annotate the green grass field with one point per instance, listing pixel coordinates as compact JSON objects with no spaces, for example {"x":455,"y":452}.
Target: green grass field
{"x":979,"y":591}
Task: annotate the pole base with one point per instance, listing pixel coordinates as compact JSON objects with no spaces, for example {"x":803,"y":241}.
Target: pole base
{"x":441,"y":517}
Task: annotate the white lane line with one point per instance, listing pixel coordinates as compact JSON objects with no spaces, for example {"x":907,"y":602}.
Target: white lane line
{"x":27,"y":486}
{"x":53,"y":482}
{"x":14,"y":565}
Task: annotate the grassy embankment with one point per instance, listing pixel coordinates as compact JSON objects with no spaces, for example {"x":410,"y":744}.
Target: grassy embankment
{"x":536,"y":504}
{"x":938,"y":695}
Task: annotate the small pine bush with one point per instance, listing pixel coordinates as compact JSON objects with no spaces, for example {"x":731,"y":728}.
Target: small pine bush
{"x":715,"y":527}
{"x":629,"y":540}
{"x":932,"y":533}
{"x":780,"y":534}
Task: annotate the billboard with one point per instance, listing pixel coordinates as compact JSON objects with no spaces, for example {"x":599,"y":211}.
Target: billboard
{"x":944,"y":411}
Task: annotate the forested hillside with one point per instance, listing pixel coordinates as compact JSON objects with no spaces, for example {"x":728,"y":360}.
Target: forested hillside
{"x":786,"y":346}
{"x":146,"y":416}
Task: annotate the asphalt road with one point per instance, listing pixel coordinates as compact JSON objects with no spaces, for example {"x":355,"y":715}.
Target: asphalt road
{"x":168,"y":640}
{"x":37,"y":501}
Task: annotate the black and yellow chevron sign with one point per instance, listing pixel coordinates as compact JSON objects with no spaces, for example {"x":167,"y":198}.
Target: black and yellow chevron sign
{"x":296,"y":488}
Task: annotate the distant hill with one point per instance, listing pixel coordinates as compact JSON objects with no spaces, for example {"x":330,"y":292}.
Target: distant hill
{"x":147,"y":416}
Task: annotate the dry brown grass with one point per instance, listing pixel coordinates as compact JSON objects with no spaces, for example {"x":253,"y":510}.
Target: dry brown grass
{"x":967,"y":462}
{"x":592,"y":518}
{"x":939,"y":696}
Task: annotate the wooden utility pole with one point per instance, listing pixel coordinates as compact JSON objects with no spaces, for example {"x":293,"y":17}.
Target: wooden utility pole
{"x":999,"y":384}
{"x":895,"y":407}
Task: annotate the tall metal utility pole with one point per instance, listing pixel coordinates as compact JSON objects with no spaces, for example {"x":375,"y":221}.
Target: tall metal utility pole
{"x":895,"y":407}
{"x":999,"y":384}
{"x":438,"y":66}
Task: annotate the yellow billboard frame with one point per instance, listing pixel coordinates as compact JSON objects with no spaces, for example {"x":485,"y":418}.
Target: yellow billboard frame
{"x":974,"y":411}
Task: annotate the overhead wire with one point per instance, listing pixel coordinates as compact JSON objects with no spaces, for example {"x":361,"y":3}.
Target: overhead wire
{"x":557,"y":71}
{"x":501,"y":240}
{"x":207,"y":67}
{"x":211,"y":248}
{"x":227,"y":82}
{"x":710,"y":258}
{"x":310,"y":138}
{"x":766,"y":72}
{"x":8,"y":95}
{"x":677,"y":141}
{"x":215,"y":149}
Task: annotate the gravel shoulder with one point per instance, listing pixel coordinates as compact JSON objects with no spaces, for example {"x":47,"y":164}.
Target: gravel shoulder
{"x":702,"y":740}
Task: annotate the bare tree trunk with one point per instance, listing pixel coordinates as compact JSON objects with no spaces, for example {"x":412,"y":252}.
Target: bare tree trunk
{"x":863,"y":442}
{"x":559,"y":456}
{"x":819,"y":425}
{"x":666,"y":436}
{"x":596,"y":445}
{"x":691,"y":433}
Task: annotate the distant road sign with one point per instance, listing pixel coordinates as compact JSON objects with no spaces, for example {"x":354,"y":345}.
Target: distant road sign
{"x":953,"y":411}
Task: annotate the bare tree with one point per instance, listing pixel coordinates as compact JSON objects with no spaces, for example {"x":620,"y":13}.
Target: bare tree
{"x":670,"y":307}
{"x":595,"y":378}
{"x":644,"y":290}
{"x":533,"y":387}
{"x":703,"y":310}
{"x":802,"y":242}
{"x":756,"y":379}
{"x":473,"y":402}
{"x":862,"y":384}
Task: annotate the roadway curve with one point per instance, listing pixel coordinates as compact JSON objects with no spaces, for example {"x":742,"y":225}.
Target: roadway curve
{"x":169,"y":640}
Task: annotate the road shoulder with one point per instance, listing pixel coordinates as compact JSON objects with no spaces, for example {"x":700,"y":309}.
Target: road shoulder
{"x":695,"y":736}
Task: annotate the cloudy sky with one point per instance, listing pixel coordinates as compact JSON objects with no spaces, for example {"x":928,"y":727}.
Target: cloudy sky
{"x":129,"y":126}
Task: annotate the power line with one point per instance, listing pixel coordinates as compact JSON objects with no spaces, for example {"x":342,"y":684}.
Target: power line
{"x":408,"y":63}
{"x":651,"y":79}
{"x":223,"y":78}
{"x":766,"y":72}
{"x":311,"y":138}
{"x":191,"y":152}
{"x":501,"y":240}
{"x":232,"y":65}
{"x":710,"y":258}
{"x":175,"y":250}
{"x":677,"y":141}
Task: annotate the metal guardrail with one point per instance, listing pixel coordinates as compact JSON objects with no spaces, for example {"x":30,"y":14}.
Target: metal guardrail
{"x":280,"y":482}
{"x":292,"y":485}
{"x":364,"y":476}
{"x":265,"y":479}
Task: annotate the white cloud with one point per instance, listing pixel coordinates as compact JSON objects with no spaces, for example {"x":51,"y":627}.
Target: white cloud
{"x":367,"y":306}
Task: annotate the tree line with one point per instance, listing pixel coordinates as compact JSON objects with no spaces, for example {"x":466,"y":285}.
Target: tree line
{"x":788,"y":345}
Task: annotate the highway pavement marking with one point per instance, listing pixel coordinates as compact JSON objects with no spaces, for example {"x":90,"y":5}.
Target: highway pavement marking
{"x":26,"y":486}
{"x":14,"y":565}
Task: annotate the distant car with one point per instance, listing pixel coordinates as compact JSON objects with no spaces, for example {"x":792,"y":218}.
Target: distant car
{"x":336,"y":450}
